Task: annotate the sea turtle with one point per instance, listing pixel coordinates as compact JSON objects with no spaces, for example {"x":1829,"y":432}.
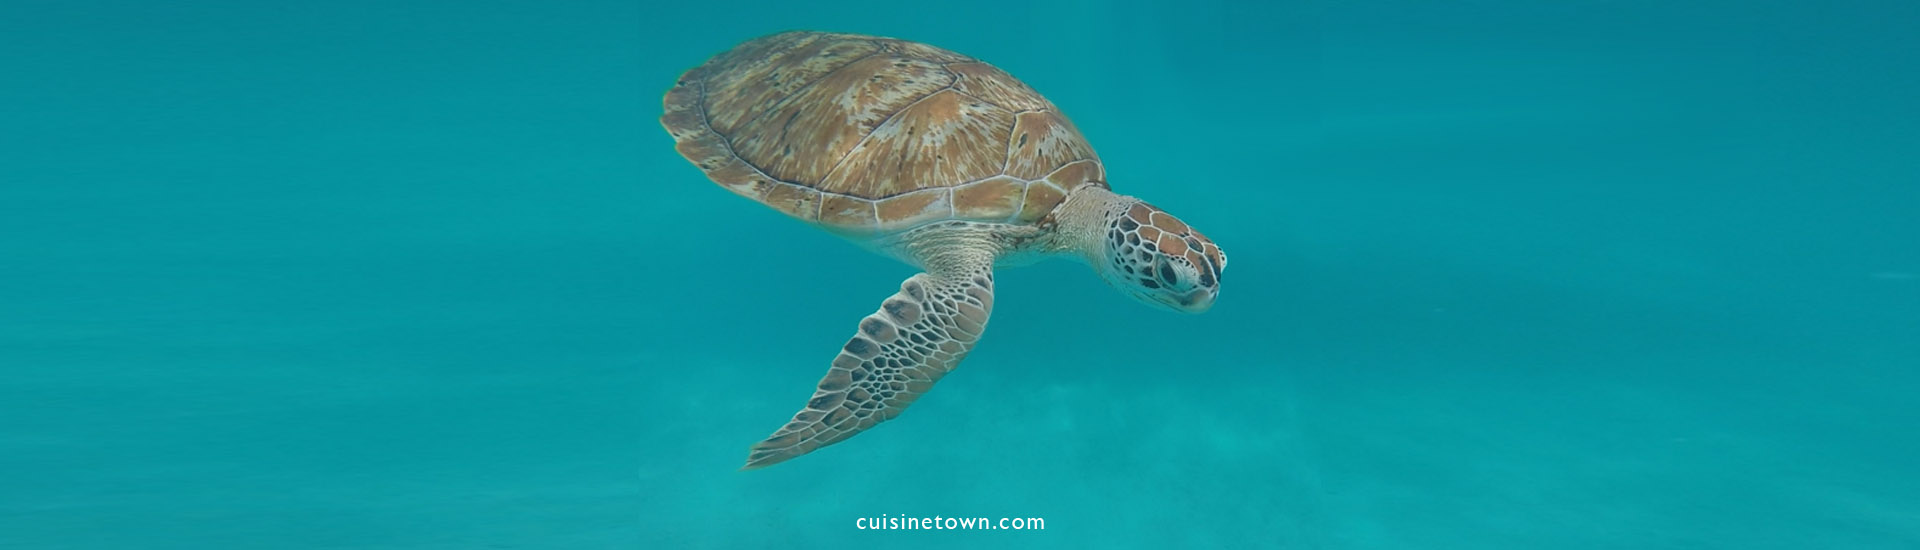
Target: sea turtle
{"x":933,"y":158}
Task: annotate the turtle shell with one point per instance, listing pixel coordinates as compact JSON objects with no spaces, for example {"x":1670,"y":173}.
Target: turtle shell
{"x":867,"y":134}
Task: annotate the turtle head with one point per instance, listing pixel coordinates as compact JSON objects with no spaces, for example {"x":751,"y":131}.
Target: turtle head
{"x":1159,"y":260}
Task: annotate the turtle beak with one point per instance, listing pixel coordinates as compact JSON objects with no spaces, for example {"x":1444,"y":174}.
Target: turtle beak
{"x":1197,"y":301}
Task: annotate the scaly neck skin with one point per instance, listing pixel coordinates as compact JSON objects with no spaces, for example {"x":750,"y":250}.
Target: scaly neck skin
{"x":1080,"y":223}
{"x":1078,"y":226}
{"x":949,"y":248}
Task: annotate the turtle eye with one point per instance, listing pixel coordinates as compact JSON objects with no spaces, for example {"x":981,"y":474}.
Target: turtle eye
{"x":1168,"y":275}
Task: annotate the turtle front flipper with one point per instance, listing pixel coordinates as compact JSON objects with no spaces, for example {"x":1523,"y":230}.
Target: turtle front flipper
{"x":917,"y":336}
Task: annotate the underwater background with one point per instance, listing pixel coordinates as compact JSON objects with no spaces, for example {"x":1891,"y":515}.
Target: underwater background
{"x":1505,"y":274}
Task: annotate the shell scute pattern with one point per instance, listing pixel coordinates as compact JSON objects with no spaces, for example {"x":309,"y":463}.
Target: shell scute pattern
{"x":916,"y":207}
{"x":757,"y":75}
{"x":1043,"y":141}
{"x":944,"y":137}
{"x":995,"y":86}
{"x":872,"y":134}
{"x":803,"y":137}
{"x":998,"y":197}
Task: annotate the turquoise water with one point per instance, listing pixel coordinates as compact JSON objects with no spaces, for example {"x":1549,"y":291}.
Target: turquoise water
{"x":1504,"y":275}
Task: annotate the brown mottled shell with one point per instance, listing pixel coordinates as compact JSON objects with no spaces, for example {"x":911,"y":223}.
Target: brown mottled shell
{"x":869,"y":134}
